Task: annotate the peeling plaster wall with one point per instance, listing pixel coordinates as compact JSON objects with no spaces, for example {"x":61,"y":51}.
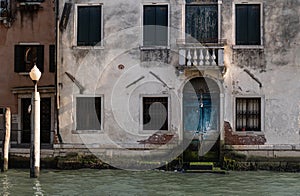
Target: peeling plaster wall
{"x":98,"y":72}
{"x":275,"y":65}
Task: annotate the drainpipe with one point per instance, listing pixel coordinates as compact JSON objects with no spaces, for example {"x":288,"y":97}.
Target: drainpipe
{"x":57,"y":70}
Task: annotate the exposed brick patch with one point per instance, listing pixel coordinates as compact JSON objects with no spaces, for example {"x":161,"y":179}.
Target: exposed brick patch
{"x":232,"y":139}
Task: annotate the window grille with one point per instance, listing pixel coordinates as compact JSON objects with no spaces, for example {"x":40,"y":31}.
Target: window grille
{"x":248,"y":114}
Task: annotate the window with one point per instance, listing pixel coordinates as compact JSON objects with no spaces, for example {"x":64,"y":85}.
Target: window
{"x":201,"y":23}
{"x":248,"y":24}
{"x":88,"y":113}
{"x":248,"y":114}
{"x":155,"y":25}
{"x":52,"y":60}
{"x":155,"y":113}
{"x":27,"y":55}
{"x":89,"y":25}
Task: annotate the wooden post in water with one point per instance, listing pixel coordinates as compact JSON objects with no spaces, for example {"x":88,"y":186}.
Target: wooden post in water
{"x":5,"y":144}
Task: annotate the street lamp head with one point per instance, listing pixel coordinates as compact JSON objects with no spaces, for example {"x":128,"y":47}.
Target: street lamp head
{"x":35,"y":74}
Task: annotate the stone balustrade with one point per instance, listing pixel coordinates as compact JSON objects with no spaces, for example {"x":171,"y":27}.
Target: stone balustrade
{"x":201,"y":56}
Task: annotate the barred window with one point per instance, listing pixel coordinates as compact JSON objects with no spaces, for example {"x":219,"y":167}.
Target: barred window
{"x":248,"y":114}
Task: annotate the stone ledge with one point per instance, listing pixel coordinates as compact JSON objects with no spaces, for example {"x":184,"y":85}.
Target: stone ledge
{"x":276,"y":147}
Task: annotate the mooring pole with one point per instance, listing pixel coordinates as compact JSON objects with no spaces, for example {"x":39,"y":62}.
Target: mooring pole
{"x":5,"y":144}
{"x":35,"y":136}
{"x":35,"y":75}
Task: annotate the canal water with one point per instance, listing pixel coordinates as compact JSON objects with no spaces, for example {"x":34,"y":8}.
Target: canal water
{"x":117,"y":182}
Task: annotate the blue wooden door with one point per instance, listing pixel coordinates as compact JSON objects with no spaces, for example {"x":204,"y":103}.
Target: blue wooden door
{"x":191,"y":113}
{"x":201,"y":105}
{"x":197,"y":112}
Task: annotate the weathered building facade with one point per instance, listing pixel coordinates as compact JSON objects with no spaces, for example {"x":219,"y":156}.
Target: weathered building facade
{"x":195,"y":64}
{"x":142,"y":79}
{"x":27,"y":30}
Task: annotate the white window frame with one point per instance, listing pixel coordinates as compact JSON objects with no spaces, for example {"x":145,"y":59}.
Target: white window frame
{"x":240,"y":2}
{"x":142,"y":26}
{"x":75,"y":114}
{"x":262,"y":115}
{"x":142,"y":112}
{"x":76,"y":24}
{"x":219,"y":5}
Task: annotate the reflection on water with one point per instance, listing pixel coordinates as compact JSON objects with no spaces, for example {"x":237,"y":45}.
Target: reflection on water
{"x":5,"y":185}
{"x":37,"y":187}
{"x":117,"y":182}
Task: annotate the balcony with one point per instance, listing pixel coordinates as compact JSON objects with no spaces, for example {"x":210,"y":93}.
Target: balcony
{"x":196,"y":56}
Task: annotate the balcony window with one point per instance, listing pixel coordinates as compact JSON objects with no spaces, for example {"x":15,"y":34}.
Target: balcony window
{"x":27,"y":55}
{"x":201,"y":23}
{"x":155,"y":25}
{"x":248,"y":24}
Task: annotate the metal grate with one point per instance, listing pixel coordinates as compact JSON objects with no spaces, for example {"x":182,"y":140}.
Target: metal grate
{"x":248,"y":114}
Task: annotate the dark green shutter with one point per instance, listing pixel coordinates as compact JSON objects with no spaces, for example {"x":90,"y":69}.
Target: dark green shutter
{"x":241,"y":24}
{"x":149,"y":25}
{"x":248,"y":25}
{"x":94,"y":25}
{"x":161,"y":28}
{"x":89,"y":25}
{"x":52,"y":58}
{"x":83,"y":26}
{"x":155,"y":30}
{"x":40,"y":58}
{"x":19,"y":59}
{"x":254,"y":25}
